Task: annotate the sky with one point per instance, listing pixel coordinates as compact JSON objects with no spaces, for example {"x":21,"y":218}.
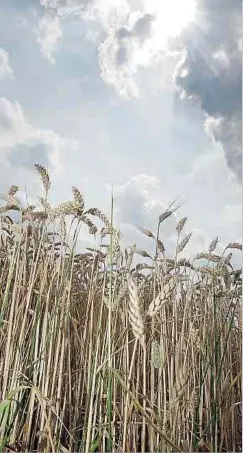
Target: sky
{"x":141,"y":95}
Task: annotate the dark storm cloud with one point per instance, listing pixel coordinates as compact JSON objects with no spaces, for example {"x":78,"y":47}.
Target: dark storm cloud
{"x":211,"y":72}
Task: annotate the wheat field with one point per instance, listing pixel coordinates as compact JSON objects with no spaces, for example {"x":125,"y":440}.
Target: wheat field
{"x":102,"y":353}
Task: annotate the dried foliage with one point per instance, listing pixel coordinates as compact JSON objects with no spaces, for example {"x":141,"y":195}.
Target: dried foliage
{"x":169,"y":329}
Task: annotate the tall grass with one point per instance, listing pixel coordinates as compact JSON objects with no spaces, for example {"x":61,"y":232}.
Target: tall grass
{"x":99,"y":352}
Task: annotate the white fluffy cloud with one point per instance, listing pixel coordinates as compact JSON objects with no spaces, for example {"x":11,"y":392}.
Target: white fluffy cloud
{"x":22,"y":145}
{"x":136,"y":205}
{"x":142,"y":40}
{"x":13,"y":125}
{"x":5,"y":67}
{"x":133,"y":35}
{"x":124,"y":51}
{"x":48,"y":34}
{"x":134,"y":200}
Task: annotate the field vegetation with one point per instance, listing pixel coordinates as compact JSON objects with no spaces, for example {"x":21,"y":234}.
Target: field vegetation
{"x":102,"y":352}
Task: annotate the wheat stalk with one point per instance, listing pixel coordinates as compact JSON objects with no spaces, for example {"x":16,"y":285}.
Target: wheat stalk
{"x":213,"y":245}
{"x":209,"y":257}
{"x":13,"y":190}
{"x":54,"y":330}
{"x":184,"y":242}
{"x":180,"y":386}
{"x":157,"y":303}
{"x":98,"y":213}
{"x":78,"y":200}
{"x":135,"y":316}
{"x":234,"y":245}
{"x":181,"y":225}
{"x":44,"y":176}
{"x":147,"y":232}
{"x":156,"y":358}
{"x":142,"y":253}
{"x":181,"y":377}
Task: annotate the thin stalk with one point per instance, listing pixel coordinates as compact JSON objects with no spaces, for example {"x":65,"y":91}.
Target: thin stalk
{"x":109,"y":392}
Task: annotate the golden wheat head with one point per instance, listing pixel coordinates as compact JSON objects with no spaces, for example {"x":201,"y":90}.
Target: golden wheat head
{"x":135,"y":316}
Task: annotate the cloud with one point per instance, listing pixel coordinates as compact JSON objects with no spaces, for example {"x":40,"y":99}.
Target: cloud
{"x":198,"y":243}
{"x":209,"y":168}
{"x":14,"y":128}
{"x":22,"y":144}
{"x":65,"y":7}
{"x":129,"y":33}
{"x":5,"y":68}
{"x":133,"y":201}
{"x":136,"y":205}
{"x":134,"y":35}
{"x":124,"y":50}
{"x":141,"y":41}
{"x":210,"y":71}
{"x":228,"y":132}
{"x":48,"y":34}
{"x":103,"y":11}
{"x":233,"y":214}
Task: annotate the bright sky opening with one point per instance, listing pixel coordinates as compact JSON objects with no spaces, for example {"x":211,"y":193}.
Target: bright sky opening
{"x":172,"y":16}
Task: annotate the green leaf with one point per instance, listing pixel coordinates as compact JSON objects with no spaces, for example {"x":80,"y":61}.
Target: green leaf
{"x":3,"y":406}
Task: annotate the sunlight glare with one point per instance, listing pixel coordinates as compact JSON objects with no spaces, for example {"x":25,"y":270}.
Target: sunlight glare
{"x":172,"y":16}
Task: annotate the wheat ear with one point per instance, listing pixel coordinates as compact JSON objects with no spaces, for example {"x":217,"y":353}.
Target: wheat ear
{"x":157,"y":303}
{"x":135,"y":316}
